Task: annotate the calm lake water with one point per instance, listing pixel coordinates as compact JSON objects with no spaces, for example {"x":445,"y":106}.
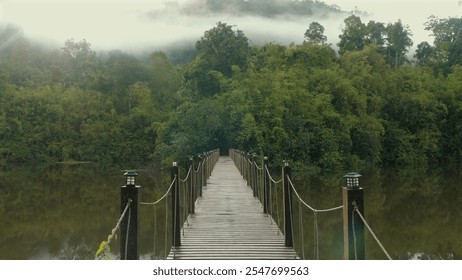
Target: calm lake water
{"x":64,"y":212}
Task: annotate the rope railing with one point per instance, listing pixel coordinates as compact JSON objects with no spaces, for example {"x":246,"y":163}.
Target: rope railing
{"x":270,"y":193}
{"x":271,"y":178}
{"x":166,"y":213}
{"x":187,"y":175}
{"x":315,"y":220}
{"x":104,"y":247}
{"x":162,"y":197}
{"x":183,"y":193}
{"x":307,"y":205}
{"x":356,"y":209}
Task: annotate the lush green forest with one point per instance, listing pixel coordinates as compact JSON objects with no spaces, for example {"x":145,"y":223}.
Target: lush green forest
{"x":365,"y":103}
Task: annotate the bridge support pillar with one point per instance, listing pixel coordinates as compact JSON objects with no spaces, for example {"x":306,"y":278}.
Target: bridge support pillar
{"x":266,"y":187}
{"x":253,"y":175}
{"x":353,"y":226}
{"x":288,"y":234}
{"x":176,"y":240}
{"x":192,"y":187}
{"x":129,"y":227}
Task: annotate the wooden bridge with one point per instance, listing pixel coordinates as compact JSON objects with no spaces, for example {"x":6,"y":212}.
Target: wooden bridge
{"x":228,"y":213}
{"x":229,"y":222}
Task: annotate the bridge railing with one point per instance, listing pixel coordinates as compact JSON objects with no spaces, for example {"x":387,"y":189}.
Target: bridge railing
{"x":176,"y":204}
{"x":280,"y":200}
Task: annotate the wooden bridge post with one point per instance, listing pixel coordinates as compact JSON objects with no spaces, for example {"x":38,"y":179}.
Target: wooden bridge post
{"x":353,"y":226}
{"x":192,"y":187}
{"x":176,"y":240}
{"x":248,"y":170}
{"x":266,"y":187}
{"x":129,"y":227}
{"x":242,"y":163}
{"x":288,"y":234}
{"x":204,"y":169}
{"x":199,"y":174}
{"x":253,"y":172}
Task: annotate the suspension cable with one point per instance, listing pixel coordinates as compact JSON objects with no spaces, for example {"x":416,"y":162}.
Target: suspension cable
{"x":164,"y":196}
{"x":128,"y":231}
{"x":105,"y":244}
{"x":356,"y":209}
{"x":316,"y":236}
{"x":306,"y":204}
{"x":271,"y":178}
{"x":187,"y":176}
{"x":166,"y":228}
{"x":258,"y":167}
{"x":300,"y":225}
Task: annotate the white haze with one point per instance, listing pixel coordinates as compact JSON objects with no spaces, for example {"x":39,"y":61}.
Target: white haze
{"x":137,"y":25}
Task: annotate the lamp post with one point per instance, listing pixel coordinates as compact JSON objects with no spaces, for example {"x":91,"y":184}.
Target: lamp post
{"x":352,"y":180}
{"x":353,"y":226}
{"x":129,"y":228}
{"x":131,"y":176}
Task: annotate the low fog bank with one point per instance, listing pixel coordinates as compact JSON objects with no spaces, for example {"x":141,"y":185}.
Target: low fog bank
{"x":175,"y":25}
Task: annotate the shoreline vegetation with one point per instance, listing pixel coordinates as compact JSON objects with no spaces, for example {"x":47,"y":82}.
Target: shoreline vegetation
{"x":366,"y":107}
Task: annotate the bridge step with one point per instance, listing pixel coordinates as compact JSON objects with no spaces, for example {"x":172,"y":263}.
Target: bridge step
{"x":229,"y":223}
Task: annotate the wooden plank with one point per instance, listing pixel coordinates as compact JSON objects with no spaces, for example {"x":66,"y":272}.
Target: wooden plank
{"x":229,"y":223}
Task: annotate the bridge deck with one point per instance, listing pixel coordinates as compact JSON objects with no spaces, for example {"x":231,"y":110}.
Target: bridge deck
{"x":229,"y":223}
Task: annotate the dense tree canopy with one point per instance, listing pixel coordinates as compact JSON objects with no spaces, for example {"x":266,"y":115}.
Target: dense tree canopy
{"x":367,"y":106}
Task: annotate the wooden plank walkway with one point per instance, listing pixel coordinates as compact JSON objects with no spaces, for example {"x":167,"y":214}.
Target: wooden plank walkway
{"x":229,"y":223}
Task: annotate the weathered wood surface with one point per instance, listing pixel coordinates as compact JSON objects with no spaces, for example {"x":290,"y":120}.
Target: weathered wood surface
{"x":229,"y":223}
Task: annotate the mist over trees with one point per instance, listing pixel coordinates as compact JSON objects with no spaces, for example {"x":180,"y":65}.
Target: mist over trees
{"x":367,"y":106}
{"x":262,"y":8}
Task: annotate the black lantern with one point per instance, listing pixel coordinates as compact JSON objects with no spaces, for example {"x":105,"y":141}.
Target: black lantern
{"x":131,"y":175}
{"x":352,"y":180}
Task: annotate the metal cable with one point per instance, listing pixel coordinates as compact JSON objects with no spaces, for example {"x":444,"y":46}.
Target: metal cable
{"x":356,"y":209}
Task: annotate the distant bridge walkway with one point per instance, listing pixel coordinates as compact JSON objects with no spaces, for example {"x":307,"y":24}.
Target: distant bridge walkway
{"x":229,"y":222}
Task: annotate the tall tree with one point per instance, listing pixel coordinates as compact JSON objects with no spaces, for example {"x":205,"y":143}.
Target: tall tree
{"x":353,"y":35}
{"x":447,"y":40}
{"x":78,"y":62}
{"x":221,"y":47}
{"x":424,"y":53}
{"x":375,"y":33}
{"x":399,"y":42}
{"x":218,"y":52}
{"x":315,"y":34}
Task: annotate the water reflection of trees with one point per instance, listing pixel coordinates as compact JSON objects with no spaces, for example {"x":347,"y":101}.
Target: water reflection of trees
{"x":62,"y":212}
{"x":414,"y":215}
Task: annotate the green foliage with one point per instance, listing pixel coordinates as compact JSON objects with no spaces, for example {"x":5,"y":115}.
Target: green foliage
{"x":80,"y":107}
{"x":315,"y":33}
{"x":399,"y":41}
{"x":364,"y":108}
{"x":353,"y":36}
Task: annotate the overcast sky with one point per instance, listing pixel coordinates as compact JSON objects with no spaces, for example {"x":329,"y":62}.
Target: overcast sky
{"x":126,"y":24}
